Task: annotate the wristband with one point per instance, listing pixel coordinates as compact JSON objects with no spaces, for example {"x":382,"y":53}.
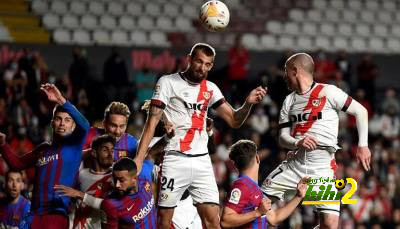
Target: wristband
{"x":92,"y":201}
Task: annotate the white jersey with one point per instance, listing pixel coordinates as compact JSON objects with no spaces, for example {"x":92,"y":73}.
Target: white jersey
{"x":186,"y":106}
{"x":97,"y":185}
{"x":315,"y":113}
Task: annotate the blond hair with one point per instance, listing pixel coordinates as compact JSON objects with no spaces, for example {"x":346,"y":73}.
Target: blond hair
{"x":117,"y":108}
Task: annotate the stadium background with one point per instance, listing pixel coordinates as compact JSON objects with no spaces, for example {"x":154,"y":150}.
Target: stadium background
{"x":98,"y":51}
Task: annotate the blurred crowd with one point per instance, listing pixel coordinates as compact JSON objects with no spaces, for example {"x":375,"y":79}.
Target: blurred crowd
{"x":25,"y":115}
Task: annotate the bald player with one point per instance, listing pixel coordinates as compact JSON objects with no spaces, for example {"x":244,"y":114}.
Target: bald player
{"x":309,"y":124}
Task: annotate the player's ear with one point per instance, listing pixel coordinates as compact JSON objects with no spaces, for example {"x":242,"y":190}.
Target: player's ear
{"x":189,"y":58}
{"x":93,"y":153}
{"x":257,"y":159}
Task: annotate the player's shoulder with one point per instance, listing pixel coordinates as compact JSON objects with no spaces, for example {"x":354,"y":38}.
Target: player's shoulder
{"x":239,"y":183}
{"x":330,"y":90}
{"x":289,"y":99}
{"x":170,"y":78}
{"x":83,"y":173}
{"x":131,"y":137}
{"x":147,"y":169}
{"x":25,"y":201}
{"x":211,"y":84}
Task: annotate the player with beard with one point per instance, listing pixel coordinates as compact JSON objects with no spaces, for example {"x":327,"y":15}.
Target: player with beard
{"x":95,"y":181}
{"x":14,"y":208}
{"x":183,"y":99}
{"x":55,"y":163}
{"x":115,"y":121}
{"x":129,"y":188}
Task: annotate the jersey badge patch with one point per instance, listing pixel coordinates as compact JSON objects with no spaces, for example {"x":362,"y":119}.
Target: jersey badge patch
{"x":316,"y":102}
{"x":147,"y":187}
{"x":235,"y":196}
{"x":206,"y":95}
{"x":122,"y":153}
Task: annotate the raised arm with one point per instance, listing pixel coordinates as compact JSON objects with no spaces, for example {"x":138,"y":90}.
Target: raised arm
{"x":54,"y":95}
{"x":159,"y":146}
{"x":16,"y":162}
{"x":236,"y":118}
{"x":153,"y":118}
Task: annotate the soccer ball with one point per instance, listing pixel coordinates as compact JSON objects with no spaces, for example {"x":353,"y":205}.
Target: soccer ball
{"x":214,"y":15}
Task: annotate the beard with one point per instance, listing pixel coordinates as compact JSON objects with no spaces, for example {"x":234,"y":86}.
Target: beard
{"x":195,"y":76}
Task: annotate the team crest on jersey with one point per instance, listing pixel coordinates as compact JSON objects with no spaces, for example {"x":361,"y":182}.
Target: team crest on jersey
{"x":100,"y":186}
{"x":164,"y":196}
{"x":235,"y":196}
{"x":206,"y":95}
{"x":122,"y":153}
{"x":15,"y":218}
{"x":267,"y":182}
{"x":147,"y":187}
{"x":316,"y":102}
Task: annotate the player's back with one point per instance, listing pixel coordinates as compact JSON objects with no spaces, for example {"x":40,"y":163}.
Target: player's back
{"x":186,"y":105}
{"x":314,"y":113}
{"x":245,"y":196}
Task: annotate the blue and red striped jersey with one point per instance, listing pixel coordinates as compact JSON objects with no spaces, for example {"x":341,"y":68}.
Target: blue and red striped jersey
{"x":55,"y":163}
{"x":11,"y":215}
{"x":136,"y":210}
{"x":245,"y":196}
{"x":125,"y":146}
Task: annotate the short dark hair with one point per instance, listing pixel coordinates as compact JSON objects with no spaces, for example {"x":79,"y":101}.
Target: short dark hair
{"x":117,"y":108}
{"x":242,"y":153}
{"x":205,"y":48}
{"x":58,"y":108}
{"x":125,"y":164}
{"x":12,"y":171}
{"x":100,"y":140}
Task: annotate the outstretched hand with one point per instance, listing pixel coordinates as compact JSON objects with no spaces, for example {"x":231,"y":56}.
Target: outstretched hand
{"x":53,"y":94}
{"x":256,"y":95}
{"x":68,"y":191}
{"x":363,"y":156}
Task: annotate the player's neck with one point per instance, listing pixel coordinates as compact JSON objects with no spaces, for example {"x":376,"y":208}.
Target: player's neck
{"x":252,"y":173}
{"x":15,"y":200}
{"x":100,"y":170}
{"x":305,"y":87}
{"x":185,"y":77}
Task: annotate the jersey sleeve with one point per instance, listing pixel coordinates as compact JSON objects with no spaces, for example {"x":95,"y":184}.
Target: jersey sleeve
{"x":217,"y":98}
{"x":147,"y":171}
{"x":111,"y":213}
{"x":132,"y":146}
{"x":284,"y":120}
{"x":162,"y":92}
{"x":237,"y":197}
{"x":339,"y":99}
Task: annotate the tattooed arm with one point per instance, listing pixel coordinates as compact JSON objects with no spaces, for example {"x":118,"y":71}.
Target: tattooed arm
{"x":153,"y":118}
{"x":235,"y":118}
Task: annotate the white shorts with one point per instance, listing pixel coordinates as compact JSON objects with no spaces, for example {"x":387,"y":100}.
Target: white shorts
{"x":186,"y":216}
{"x":180,"y":172}
{"x":282,"y":182}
